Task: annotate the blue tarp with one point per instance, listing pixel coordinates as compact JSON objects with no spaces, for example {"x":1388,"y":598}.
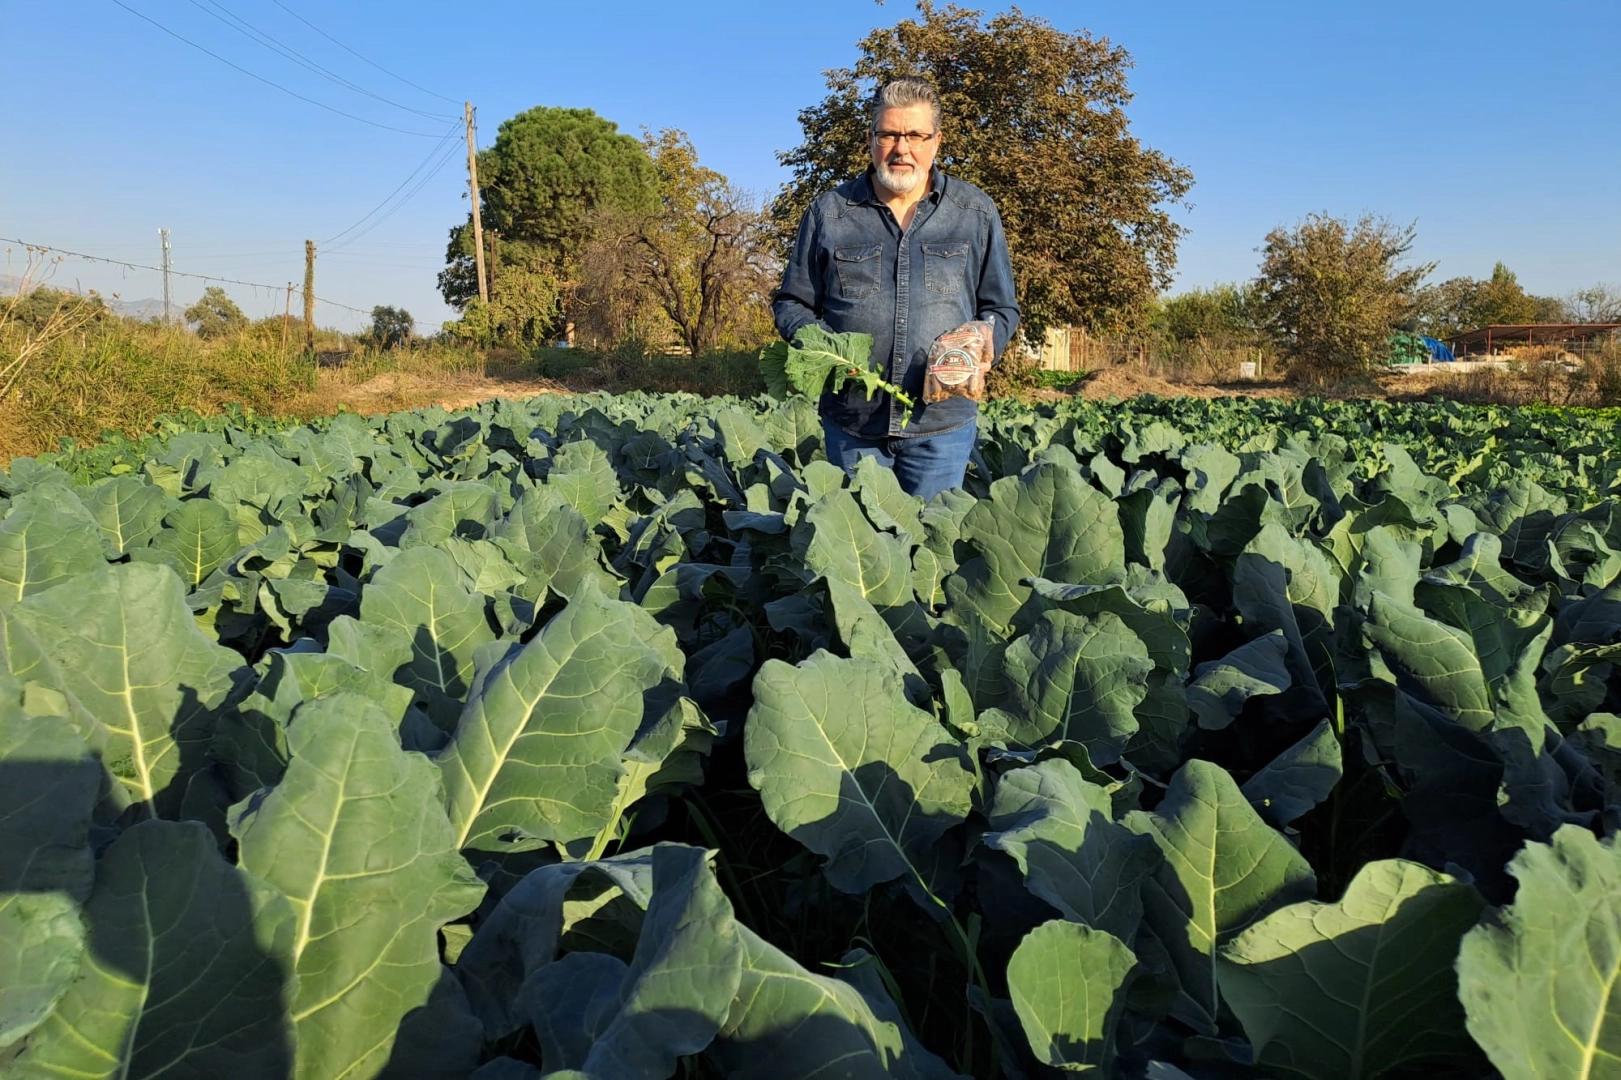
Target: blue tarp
{"x":1438,"y":350}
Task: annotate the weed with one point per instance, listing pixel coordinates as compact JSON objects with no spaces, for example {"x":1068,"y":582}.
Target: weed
{"x":1060,"y":380}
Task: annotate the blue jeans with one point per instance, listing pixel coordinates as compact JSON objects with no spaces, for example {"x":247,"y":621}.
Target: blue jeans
{"x":925,"y":465}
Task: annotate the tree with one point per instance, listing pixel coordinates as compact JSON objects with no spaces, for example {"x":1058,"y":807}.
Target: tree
{"x":701,"y":253}
{"x":1459,"y":304}
{"x":1596,"y":303}
{"x":1445,"y":308}
{"x":216,"y":314}
{"x":1221,"y":313}
{"x":542,"y":185}
{"x":1332,"y":293}
{"x":1501,"y":301}
{"x":1035,"y":117}
{"x":1551,"y":309}
{"x":612,"y":306}
{"x":391,"y":327}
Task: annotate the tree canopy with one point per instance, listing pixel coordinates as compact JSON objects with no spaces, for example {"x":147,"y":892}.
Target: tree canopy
{"x":1463,"y":303}
{"x":700,"y":254}
{"x":1036,"y":117}
{"x":1220,"y":312}
{"x":391,"y":327}
{"x":549,"y":171}
{"x":215,"y":314}
{"x":1502,"y":300}
{"x":1332,"y":292}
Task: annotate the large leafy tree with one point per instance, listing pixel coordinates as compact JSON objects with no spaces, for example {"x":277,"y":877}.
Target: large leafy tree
{"x":696,"y":268}
{"x":702,"y":253}
{"x":541,"y":186}
{"x":1445,"y":308}
{"x":1503,"y":301}
{"x":1037,"y":118}
{"x":1463,"y":303}
{"x":1332,"y":292}
{"x":391,"y":327}
{"x":1218,"y":313}
{"x":215,"y":314}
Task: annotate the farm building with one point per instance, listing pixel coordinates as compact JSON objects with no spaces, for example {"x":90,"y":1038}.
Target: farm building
{"x":1572,"y":337}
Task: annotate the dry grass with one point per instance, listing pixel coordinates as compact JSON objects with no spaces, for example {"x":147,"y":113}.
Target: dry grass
{"x":113,"y":374}
{"x":116,"y":374}
{"x":1204,"y":361}
{"x":1532,"y":377}
{"x":454,"y":377}
{"x":1538,"y":376}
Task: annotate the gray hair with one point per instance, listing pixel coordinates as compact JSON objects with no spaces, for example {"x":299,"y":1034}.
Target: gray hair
{"x":901,"y":93}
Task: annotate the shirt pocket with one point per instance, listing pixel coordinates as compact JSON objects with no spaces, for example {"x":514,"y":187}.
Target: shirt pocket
{"x":859,"y":269}
{"x":945,"y":265}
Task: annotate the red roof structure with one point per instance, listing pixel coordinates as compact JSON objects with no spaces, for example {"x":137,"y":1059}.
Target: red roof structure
{"x":1488,"y":338}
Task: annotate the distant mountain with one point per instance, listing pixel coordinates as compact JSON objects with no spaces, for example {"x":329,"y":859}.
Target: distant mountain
{"x":133,"y":309}
{"x":139,"y":309}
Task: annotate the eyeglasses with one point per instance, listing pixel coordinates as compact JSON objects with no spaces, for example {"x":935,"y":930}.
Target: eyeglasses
{"x":915,"y":138}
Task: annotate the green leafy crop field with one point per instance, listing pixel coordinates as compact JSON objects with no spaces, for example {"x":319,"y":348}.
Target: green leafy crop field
{"x":625,"y":737}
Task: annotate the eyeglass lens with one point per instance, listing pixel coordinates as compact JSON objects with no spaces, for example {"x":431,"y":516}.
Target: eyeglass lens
{"x":916,"y":138}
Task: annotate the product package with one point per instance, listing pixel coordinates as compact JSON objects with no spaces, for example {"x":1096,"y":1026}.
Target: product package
{"x":957,"y":363}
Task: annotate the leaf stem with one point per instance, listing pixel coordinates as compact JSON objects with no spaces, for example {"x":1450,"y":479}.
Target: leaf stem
{"x":969,"y":954}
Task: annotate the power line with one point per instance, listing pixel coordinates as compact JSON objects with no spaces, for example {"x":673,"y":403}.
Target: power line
{"x":236,"y":256}
{"x":357,"y":56}
{"x":445,"y":159}
{"x":389,"y":265}
{"x":268,"y":82}
{"x":405,"y":252}
{"x":449,"y":155}
{"x":438,"y":147}
{"x":159,"y":269}
{"x":259,"y":37}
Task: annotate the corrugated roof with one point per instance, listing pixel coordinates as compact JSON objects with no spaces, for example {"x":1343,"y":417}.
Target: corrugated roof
{"x":1529,"y":332}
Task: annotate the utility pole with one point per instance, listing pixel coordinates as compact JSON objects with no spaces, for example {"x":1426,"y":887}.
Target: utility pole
{"x":163,"y":236}
{"x":478,"y":223}
{"x":309,"y":296}
{"x":286,"y":317}
{"x":495,"y":238}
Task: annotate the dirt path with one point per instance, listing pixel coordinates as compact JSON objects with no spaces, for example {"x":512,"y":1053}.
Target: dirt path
{"x":1122,"y":383}
{"x":397,"y":391}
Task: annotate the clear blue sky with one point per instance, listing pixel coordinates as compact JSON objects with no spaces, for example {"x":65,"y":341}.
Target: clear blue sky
{"x":1496,"y":126}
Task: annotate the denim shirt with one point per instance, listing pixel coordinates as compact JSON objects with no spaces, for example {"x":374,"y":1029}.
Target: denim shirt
{"x":854,"y":269}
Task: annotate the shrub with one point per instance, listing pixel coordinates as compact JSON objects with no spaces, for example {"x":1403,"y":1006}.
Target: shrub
{"x":1331,"y":292}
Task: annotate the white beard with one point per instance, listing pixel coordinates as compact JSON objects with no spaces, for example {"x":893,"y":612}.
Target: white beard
{"x":899,"y":183}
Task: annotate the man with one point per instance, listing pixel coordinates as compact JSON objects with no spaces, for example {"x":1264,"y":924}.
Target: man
{"x":904,"y":253}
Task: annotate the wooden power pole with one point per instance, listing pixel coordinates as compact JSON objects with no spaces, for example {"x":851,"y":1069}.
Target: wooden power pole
{"x":286,"y":317}
{"x":309,"y":296}
{"x":495,"y":238}
{"x":478,"y":224}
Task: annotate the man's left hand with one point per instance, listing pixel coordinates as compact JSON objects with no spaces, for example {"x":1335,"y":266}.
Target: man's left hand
{"x":987,"y":337}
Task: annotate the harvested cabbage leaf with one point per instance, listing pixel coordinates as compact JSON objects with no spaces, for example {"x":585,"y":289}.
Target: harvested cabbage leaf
{"x":819,"y":360}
